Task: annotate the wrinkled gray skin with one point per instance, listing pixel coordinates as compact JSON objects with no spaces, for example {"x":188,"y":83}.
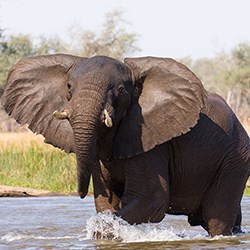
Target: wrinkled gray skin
{"x":153,"y":139}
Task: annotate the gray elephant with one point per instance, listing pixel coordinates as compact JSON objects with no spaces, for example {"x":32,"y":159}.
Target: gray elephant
{"x":153,"y":139}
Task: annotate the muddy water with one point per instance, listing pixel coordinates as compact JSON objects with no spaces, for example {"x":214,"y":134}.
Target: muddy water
{"x":70,"y":223}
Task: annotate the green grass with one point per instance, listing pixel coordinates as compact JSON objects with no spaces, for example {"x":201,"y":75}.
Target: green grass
{"x":247,"y":191}
{"x":38,"y":166}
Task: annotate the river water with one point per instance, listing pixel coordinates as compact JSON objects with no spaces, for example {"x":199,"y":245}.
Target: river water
{"x":70,"y":223}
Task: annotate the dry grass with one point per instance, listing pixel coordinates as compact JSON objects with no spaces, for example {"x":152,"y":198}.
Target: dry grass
{"x":246,"y":125}
{"x":24,"y":139}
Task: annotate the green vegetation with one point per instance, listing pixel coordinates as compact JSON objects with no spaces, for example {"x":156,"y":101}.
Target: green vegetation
{"x":113,"y":40}
{"x":247,"y":191}
{"x":227,"y":74}
{"x":38,"y":166}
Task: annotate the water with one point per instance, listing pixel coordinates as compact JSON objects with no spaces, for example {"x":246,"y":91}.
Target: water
{"x":70,"y":223}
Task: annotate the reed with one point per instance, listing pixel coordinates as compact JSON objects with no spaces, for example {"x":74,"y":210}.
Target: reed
{"x":247,"y":191}
{"x":27,"y":162}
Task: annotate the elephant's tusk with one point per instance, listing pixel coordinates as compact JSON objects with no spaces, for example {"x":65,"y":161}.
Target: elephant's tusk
{"x":61,"y":115}
{"x":108,"y":120}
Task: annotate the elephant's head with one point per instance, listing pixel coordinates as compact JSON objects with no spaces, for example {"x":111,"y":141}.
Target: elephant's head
{"x":101,"y":108}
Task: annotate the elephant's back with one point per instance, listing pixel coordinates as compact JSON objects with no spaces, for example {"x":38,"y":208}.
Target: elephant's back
{"x":218,"y":111}
{"x":222,"y":115}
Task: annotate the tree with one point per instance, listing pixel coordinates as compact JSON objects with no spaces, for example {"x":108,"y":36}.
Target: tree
{"x":18,"y":46}
{"x":239,"y":94}
{"x":227,"y":74}
{"x":241,"y":58}
{"x":113,"y":40}
{"x":49,"y":45}
{"x":11,"y":50}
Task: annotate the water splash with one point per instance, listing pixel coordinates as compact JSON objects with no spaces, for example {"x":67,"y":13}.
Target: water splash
{"x":9,"y":237}
{"x":107,"y":226}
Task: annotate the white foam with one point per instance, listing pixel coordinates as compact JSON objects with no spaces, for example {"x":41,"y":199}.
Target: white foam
{"x":107,"y":226}
{"x":9,"y":237}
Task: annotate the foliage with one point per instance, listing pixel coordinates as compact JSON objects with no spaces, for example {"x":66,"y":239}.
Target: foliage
{"x":227,"y":74}
{"x":18,"y":46}
{"x":38,"y":166}
{"x":113,"y":40}
{"x":49,"y":45}
{"x":247,"y":191}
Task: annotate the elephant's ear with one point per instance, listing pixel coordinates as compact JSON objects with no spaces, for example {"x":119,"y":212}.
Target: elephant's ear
{"x":36,"y":87}
{"x":168,"y":103}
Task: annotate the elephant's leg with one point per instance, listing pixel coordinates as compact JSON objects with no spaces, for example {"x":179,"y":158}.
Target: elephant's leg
{"x":222,"y":203}
{"x":237,"y":225}
{"x":105,"y":197}
{"x":146,"y":194}
{"x":197,"y":220}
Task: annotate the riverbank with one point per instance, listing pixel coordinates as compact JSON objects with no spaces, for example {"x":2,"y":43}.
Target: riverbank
{"x":8,"y":191}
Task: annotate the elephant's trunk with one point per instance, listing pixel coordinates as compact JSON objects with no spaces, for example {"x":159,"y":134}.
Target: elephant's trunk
{"x":85,"y":126}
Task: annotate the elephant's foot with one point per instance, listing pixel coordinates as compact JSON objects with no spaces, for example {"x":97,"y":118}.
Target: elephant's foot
{"x":137,"y":212}
{"x":197,"y":220}
{"x":221,"y":206}
{"x":221,"y":219}
{"x":106,"y":204}
{"x":237,"y":230}
{"x":237,"y":225}
{"x":217,"y":226}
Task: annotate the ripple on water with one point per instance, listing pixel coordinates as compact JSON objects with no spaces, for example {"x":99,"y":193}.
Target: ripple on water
{"x":14,"y":236}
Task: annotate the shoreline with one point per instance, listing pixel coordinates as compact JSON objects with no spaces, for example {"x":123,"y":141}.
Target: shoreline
{"x":9,"y":191}
{"x":15,"y":192}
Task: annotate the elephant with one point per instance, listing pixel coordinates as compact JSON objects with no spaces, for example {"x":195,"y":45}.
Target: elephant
{"x":152,"y":138}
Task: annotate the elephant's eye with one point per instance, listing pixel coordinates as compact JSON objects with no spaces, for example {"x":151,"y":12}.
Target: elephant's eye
{"x":69,"y":85}
{"x":69,"y":94}
{"x":122,"y":90}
